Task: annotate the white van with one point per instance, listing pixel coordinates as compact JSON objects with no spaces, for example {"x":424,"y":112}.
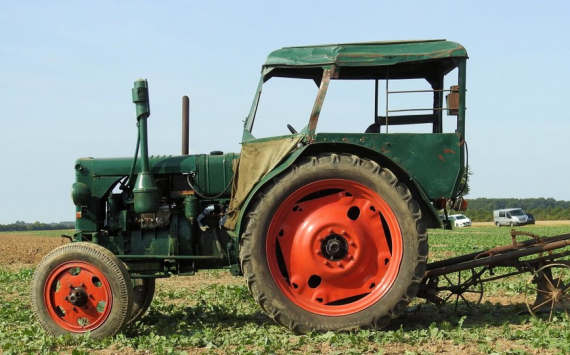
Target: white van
{"x":510,"y":217}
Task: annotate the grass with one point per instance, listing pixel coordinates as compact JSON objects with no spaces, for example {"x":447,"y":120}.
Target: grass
{"x":223,"y":319}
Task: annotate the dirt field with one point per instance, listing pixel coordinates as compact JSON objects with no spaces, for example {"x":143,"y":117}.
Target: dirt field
{"x":22,"y":250}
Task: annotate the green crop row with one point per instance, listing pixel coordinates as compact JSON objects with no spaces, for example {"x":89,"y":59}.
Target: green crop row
{"x":214,"y":318}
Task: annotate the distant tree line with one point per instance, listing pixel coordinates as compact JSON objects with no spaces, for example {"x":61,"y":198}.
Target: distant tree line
{"x":543,"y":209}
{"x":36,"y":226}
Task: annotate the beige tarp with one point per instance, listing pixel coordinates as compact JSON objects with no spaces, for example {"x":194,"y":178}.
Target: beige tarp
{"x":256,"y":160}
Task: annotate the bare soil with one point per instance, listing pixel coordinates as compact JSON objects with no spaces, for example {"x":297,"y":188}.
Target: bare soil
{"x":26,"y":250}
{"x":19,"y":250}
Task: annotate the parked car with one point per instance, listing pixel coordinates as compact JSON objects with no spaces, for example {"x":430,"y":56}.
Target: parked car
{"x":460,"y":220}
{"x":510,"y":217}
{"x":530,"y":219}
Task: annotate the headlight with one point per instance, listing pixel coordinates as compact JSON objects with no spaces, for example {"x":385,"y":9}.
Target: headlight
{"x":80,"y":194}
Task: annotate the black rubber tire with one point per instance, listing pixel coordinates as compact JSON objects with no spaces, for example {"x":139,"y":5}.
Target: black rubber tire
{"x":100,"y":259}
{"x":332,"y":166}
{"x":143,"y":292}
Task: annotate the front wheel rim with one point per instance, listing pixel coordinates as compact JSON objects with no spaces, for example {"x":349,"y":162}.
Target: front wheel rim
{"x":78,"y":296}
{"x":334,"y":247}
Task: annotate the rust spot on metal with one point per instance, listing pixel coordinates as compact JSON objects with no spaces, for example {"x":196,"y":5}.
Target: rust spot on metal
{"x":447,"y":151}
{"x":440,"y":157}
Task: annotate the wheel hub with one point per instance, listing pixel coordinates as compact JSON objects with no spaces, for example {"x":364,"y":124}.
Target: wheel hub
{"x":78,"y":296}
{"x":334,"y":247}
{"x":557,"y":295}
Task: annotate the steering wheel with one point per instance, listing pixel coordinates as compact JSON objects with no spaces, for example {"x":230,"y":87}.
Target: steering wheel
{"x":291,"y":129}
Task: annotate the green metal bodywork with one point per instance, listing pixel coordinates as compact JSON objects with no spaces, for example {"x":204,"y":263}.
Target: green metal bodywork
{"x":166,"y":237}
{"x":433,"y":163}
{"x":366,"y":53}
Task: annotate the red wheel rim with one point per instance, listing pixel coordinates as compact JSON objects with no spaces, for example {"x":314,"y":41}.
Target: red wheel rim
{"x":77,"y":296}
{"x":334,"y":247}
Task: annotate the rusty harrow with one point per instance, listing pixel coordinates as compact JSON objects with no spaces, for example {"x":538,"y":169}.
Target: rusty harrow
{"x":460,"y":279}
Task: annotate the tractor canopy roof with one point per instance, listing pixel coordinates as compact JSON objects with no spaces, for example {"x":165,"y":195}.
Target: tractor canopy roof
{"x":396,"y":60}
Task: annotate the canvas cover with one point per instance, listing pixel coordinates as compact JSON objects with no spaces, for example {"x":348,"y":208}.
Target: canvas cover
{"x":256,"y":160}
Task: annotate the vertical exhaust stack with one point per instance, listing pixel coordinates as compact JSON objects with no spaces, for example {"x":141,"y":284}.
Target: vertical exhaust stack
{"x":185,"y":125}
{"x":146,"y":194}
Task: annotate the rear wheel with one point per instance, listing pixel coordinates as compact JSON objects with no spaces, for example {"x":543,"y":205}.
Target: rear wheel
{"x":82,"y":287}
{"x":336,"y":243}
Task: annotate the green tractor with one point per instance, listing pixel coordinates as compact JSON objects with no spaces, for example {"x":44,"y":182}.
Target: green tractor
{"x":328,"y":229}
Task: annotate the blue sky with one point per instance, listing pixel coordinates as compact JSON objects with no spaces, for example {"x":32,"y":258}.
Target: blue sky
{"x":67,"y":67}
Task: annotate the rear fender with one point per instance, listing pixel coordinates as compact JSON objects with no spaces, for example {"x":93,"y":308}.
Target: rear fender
{"x":428,"y":211}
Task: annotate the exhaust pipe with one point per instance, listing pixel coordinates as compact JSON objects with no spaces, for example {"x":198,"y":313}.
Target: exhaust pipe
{"x":185,"y":125}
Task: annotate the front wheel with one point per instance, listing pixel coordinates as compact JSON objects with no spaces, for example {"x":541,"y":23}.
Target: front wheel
{"x":143,"y":292}
{"x":337,"y":242}
{"x":82,"y":287}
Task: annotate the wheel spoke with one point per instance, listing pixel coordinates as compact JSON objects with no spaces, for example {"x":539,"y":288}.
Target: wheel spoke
{"x":459,"y":287}
{"x":467,"y":303}
{"x":537,"y":306}
{"x":559,"y":280}
{"x":537,"y":290}
{"x":549,"y":281}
